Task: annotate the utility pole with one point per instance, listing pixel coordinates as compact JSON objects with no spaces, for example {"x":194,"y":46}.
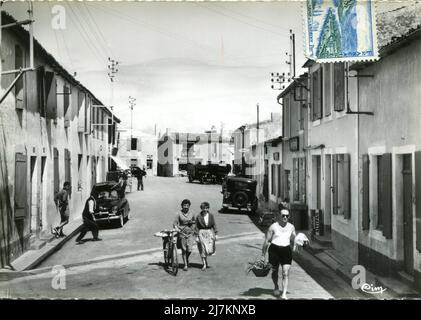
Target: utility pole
{"x":132,"y":103}
{"x":112,"y":71}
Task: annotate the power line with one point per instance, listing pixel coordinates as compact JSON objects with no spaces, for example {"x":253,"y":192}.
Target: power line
{"x":98,"y":31}
{"x":84,"y":35}
{"x":89,"y":34}
{"x":234,"y":18}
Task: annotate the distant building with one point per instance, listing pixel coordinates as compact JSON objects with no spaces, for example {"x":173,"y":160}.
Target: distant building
{"x":176,"y":150}
{"x":139,"y":149}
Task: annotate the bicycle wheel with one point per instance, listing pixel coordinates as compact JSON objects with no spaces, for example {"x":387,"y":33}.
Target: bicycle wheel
{"x":173,"y":259}
{"x":166,"y":253}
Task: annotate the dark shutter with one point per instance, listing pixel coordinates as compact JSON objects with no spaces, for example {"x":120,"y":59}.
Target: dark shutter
{"x":20,"y":186}
{"x":347,"y":186}
{"x":366,"y":193}
{"x":41,"y":90}
{"x":273,"y":179}
{"x":56,"y":176}
{"x":320,"y":109}
{"x":335,"y":183}
{"x":280,"y":184}
{"x":418,"y":198}
{"x":295,"y":179}
{"x":67,"y":166}
{"x":51,"y":94}
{"x":386,"y":194}
{"x":327,"y":83}
{"x":339,"y":86}
{"x":302,"y":180}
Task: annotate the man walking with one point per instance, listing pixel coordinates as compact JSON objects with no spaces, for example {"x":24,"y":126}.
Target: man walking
{"x":89,"y":223}
{"x":139,"y":174}
{"x":61,"y":200}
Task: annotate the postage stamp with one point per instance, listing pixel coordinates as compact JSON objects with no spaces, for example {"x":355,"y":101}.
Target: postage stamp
{"x":340,"y":30}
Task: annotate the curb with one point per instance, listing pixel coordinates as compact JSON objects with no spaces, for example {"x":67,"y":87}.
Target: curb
{"x":53,"y":249}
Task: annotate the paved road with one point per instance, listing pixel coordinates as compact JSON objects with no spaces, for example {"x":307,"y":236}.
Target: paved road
{"x":127,"y":263}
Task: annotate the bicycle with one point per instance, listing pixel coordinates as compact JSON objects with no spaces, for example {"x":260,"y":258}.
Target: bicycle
{"x":169,"y":239}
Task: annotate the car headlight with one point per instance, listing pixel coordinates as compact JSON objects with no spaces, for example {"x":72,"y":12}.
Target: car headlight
{"x":114,"y":209}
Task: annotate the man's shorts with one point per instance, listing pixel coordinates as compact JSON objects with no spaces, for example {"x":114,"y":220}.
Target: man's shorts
{"x":64,"y":215}
{"x":279,"y":255}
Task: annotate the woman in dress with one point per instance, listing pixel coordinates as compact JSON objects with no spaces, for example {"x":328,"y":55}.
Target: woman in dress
{"x":184,"y":223}
{"x":206,"y":230}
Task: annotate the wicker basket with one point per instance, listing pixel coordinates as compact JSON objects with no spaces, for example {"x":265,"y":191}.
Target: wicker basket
{"x":261,"y":272}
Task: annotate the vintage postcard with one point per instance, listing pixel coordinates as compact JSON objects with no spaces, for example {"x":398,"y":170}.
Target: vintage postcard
{"x":243,"y":150}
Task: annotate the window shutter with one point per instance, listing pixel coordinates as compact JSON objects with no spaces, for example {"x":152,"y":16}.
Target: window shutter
{"x":302,"y":179}
{"x":327,"y":88}
{"x":339,"y":86}
{"x":50,"y":94}
{"x":320,"y":94}
{"x":129,"y":144}
{"x":295,"y":177}
{"x":273,"y":179}
{"x":386,"y":194}
{"x":56,"y":176}
{"x":335,"y":183}
{"x":347,"y":186}
{"x":67,"y":166}
{"x":20,"y":185}
{"x":41,"y":90}
{"x":418,"y":198}
{"x":366,"y":193}
{"x":280,"y":184}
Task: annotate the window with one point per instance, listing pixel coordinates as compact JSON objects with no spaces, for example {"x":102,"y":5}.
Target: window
{"x":298,"y":179}
{"x":316,"y":94}
{"x":327,"y":89}
{"x":134,"y":144}
{"x":273,"y":179}
{"x":384,"y":194}
{"x":343,"y":185}
{"x":339,"y":86}
{"x":20,"y":185}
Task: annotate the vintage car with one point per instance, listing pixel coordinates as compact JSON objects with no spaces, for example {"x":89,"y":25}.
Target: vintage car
{"x":211,"y":172}
{"x":240,"y":193}
{"x":110,"y":206}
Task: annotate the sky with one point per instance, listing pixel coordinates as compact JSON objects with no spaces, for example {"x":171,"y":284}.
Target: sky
{"x":190,"y":65}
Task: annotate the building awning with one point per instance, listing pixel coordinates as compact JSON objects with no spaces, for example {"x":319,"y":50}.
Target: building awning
{"x":120,"y":163}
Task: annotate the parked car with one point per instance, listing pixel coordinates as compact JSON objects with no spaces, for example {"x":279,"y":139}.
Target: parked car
{"x":240,"y":193}
{"x":110,"y":206}
{"x":211,"y":172}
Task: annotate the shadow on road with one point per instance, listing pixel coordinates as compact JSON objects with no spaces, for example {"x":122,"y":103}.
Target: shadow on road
{"x":257,"y":292}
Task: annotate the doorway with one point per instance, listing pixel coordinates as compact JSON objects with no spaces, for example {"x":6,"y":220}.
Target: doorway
{"x":34,"y":198}
{"x":328,"y":195}
{"x":407,"y":215}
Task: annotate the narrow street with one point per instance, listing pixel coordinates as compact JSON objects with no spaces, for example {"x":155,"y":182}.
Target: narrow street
{"x":128,"y":262}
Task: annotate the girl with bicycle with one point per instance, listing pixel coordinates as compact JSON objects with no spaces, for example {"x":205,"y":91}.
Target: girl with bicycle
{"x":184,"y":223}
